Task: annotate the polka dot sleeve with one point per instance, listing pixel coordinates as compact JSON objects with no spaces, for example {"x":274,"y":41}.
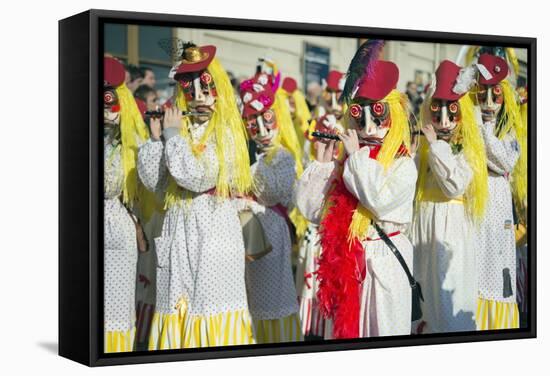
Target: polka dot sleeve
{"x":502,"y":155}
{"x":387,"y":194}
{"x":151,"y":166}
{"x":452,"y":173}
{"x":197,"y":174}
{"x":311,"y":189}
{"x":113,"y":175}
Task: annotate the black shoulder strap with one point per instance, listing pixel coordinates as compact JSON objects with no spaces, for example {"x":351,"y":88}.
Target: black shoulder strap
{"x":396,"y":252}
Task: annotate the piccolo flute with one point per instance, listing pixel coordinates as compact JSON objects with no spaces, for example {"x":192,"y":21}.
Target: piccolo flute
{"x":330,"y":136}
{"x":183,"y":113}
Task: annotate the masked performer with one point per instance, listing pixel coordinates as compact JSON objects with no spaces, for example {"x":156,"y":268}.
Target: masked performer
{"x":471,"y":54}
{"x":201,"y":294}
{"x":270,"y":285}
{"x":328,"y":120}
{"x":123,"y":129}
{"x":502,"y":128}
{"x":363,"y":288}
{"x":451,"y":198}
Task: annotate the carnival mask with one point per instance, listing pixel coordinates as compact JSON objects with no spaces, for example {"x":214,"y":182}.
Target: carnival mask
{"x":111,"y":107}
{"x":262,"y":128}
{"x":371,"y":119}
{"x":490,"y":99}
{"x":445,"y":116}
{"x":331,"y":97}
{"x":200,"y":93}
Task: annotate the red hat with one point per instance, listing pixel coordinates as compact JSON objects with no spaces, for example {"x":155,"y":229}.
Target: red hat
{"x":196,"y":59}
{"x":113,"y":71}
{"x":256,"y":94}
{"x":377,"y":85}
{"x":445,"y":80}
{"x":335,"y":80}
{"x":289,"y":85}
{"x":496,"y":66}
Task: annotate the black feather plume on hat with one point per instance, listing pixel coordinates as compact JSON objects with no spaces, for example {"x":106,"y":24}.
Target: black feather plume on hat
{"x":361,"y":64}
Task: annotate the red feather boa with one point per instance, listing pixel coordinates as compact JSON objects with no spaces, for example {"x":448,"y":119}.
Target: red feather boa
{"x":341,"y":268}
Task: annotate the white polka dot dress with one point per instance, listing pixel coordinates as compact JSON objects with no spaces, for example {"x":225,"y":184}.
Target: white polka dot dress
{"x":201,"y":293}
{"x":443,"y":237}
{"x":496,"y":249}
{"x":120,"y":258}
{"x":272,"y":295}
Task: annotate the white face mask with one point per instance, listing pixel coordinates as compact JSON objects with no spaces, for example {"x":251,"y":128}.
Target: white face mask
{"x":445,"y":117}
{"x":202,"y":102}
{"x":490,"y":101}
{"x":371,"y":127}
{"x":262,"y":128}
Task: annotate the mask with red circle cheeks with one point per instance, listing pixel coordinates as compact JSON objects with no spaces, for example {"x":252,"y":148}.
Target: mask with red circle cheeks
{"x":331,"y":102}
{"x":262,"y":128}
{"x":490,"y":99}
{"x":371,"y":119}
{"x":445,"y":116}
{"x":200,"y":93}
{"x":111,"y":106}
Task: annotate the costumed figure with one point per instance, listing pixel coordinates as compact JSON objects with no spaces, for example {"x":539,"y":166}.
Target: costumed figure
{"x":272,"y":296}
{"x":363,"y":288}
{"x":504,"y":134}
{"x":201,"y":162}
{"x":328,"y":120}
{"x":450,"y":202}
{"x":123,"y":129}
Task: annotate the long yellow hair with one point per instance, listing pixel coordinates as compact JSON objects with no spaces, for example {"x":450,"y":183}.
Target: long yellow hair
{"x":132,"y":132}
{"x":468,"y":136}
{"x":286,"y":136}
{"x":398,"y":135}
{"x":302,"y":115}
{"x":511,"y":118}
{"x":229,"y":133}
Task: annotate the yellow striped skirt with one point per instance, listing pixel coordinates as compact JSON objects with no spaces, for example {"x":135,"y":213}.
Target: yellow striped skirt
{"x":492,"y":315}
{"x":286,"y":329}
{"x":222,"y":329}
{"x":166,"y":331}
{"x":181,"y":330}
{"x":118,"y":341}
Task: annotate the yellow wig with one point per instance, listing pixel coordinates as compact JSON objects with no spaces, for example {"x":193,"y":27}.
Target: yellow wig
{"x":133,"y":131}
{"x":511,"y":118}
{"x":230,"y":137}
{"x":468,"y":136}
{"x":286,"y":136}
{"x":398,"y":135}
{"x":302,"y":116}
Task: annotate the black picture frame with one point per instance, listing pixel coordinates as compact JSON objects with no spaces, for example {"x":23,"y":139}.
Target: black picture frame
{"x":80,"y":169}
